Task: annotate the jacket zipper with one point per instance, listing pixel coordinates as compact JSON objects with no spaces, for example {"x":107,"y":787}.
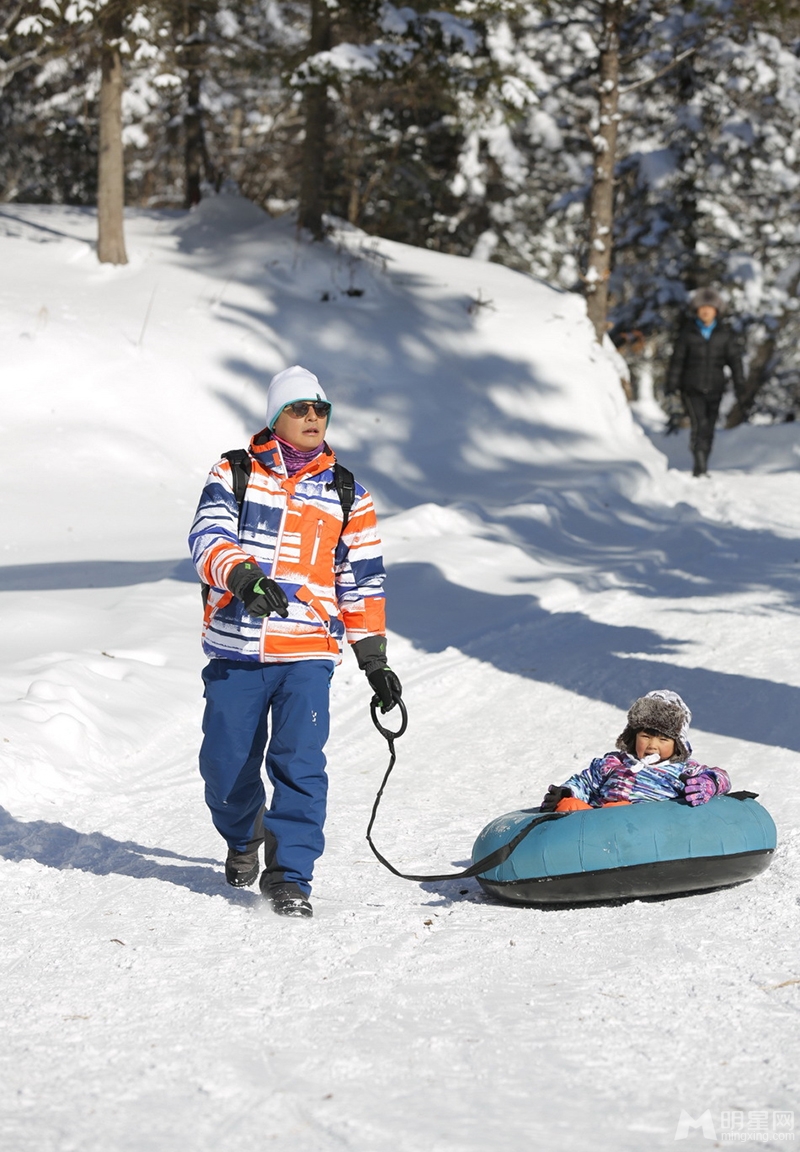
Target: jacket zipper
{"x":317,"y":539}
{"x":273,"y":569}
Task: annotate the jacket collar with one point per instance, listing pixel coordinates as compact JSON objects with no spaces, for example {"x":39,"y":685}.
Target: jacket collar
{"x":266,"y":450}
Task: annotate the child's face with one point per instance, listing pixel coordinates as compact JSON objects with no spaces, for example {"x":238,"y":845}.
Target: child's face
{"x":648,"y":742}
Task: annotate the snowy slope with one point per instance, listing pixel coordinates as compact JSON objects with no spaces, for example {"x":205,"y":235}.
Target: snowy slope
{"x":548,"y":563}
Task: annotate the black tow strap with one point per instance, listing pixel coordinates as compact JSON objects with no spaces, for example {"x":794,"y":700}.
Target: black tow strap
{"x":488,"y":862}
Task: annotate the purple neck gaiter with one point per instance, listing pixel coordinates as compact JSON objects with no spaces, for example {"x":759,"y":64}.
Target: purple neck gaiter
{"x":297,"y":458}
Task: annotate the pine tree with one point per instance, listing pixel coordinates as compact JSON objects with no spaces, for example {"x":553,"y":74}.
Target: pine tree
{"x":56,"y":42}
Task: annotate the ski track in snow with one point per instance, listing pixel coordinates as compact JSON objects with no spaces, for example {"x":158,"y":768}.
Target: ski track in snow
{"x":546,"y":566}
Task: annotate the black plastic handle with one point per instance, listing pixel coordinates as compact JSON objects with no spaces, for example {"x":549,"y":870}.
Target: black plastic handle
{"x":387,"y":733}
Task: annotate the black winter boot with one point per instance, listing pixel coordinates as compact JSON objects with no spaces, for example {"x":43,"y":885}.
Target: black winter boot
{"x":286,"y":899}
{"x":241,"y":868}
{"x":700,"y":462}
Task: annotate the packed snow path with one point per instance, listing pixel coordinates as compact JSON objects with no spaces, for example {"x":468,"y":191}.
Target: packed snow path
{"x":546,"y":566}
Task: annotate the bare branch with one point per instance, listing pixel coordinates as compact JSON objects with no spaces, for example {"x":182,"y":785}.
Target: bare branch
{"x":11,"y":19}
{"x":657,"y":75}
{"x":9,"y":68}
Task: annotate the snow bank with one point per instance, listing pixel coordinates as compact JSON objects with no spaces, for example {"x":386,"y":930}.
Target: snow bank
{"x":545,"y":567}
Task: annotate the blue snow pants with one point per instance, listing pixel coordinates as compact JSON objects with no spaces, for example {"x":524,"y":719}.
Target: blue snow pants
{"x":246,"y":704}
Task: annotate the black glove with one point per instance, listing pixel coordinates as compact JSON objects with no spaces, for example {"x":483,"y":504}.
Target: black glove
{"x":386,"y":686}
{"x":371,"y":656}
{"x":257,"y":592}
{"x":552,"y":796}
{"x":673,"y":406}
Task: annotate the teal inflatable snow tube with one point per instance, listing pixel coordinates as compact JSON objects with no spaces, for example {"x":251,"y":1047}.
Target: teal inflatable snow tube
{"x":656,"y":848}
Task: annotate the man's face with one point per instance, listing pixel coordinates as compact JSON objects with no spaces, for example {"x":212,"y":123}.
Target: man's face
{"x":707,"y":313}
{"x":304,"y":432}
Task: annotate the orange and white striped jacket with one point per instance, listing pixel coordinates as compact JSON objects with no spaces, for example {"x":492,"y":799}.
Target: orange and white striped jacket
{"x":291,"y":526}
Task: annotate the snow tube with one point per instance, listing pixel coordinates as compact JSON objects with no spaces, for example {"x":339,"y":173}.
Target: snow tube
{"x":659,"y":848}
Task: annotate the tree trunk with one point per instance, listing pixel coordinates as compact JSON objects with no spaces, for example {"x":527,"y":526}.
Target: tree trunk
{"x":194,"y":149}
{"x":315,"y":105}
{"x":686,"y":218}
{"x":110,"y":163}
{"x":195,"y":154}
{"x":601,"y":201}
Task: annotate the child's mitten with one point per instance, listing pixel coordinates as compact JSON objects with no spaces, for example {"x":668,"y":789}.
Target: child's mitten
{"x":552,"y":797}
{"x":699,"y":789}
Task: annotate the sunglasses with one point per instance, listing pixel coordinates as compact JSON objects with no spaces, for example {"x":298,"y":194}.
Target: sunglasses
{"x":300,"y":408}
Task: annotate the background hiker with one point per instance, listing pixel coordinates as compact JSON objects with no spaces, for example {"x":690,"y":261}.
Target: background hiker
{"x":286,"y":583}
{"x":705,"y":346}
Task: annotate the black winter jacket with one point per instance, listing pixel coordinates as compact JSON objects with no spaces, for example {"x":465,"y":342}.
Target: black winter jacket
{"x":697,"y":364}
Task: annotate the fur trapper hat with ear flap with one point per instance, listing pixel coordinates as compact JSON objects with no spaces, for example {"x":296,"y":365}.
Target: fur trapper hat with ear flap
{"x":659,"y":711}
{"x":707,"y":297}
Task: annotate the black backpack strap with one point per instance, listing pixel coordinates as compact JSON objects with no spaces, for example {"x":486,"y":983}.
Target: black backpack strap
{"x":240,"y":462}
{"x":345,"y":484}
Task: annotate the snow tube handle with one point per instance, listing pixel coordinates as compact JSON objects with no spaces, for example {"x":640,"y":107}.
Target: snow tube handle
{"x":387,"y":733}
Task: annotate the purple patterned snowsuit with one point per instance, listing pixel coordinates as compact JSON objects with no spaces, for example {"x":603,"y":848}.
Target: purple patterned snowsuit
{"x":620,"y":776}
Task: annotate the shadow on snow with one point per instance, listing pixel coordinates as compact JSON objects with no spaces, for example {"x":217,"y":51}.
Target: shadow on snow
{"x":57,"y":846}
{"x":611,"y":663}
{"x":515,"y":634}
{"x":93,"y":574}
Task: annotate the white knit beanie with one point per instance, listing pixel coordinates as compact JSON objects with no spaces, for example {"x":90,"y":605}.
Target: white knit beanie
{"x":291,"y":384}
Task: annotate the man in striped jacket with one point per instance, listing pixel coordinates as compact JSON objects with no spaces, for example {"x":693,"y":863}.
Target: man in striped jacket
{"x":286,"y":583}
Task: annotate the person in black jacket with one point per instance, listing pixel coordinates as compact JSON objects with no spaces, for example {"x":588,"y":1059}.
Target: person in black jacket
{"x":704,"y":347}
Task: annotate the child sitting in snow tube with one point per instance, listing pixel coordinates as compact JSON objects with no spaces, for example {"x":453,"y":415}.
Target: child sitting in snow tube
{"x":593,"y":838}
{"x":652,"y":762}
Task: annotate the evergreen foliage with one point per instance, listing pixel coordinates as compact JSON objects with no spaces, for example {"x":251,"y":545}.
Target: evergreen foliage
{"x":470,"y":126}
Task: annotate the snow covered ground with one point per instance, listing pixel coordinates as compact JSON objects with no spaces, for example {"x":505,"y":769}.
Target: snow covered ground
{"x":550,"y":559}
